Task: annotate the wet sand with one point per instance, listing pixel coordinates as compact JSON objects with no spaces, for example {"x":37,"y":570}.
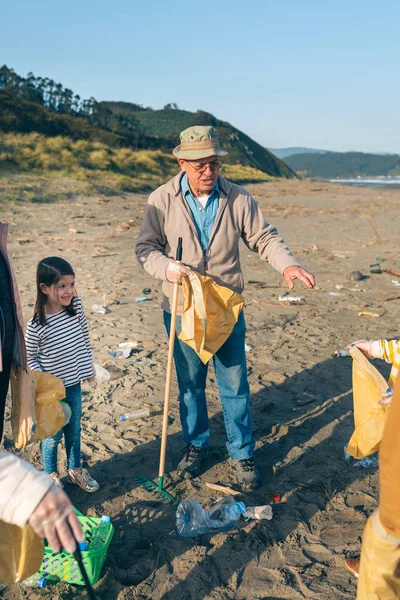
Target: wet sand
{"x":301,"y":396}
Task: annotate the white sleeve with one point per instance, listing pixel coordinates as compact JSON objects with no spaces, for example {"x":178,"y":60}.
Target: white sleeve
{"x":22,"y":487}
{"x":32,"y":346}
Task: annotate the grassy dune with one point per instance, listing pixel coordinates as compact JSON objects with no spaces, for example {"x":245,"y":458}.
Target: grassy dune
{"x":29,"y":163}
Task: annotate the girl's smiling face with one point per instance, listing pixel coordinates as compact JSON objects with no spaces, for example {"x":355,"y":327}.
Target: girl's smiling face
{"x":59,"y":294}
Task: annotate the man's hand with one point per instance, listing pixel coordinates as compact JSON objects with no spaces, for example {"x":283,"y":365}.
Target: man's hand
{"x":54,"y":518}
{"x":293,"y":272}
{"x":175,"y":271}
{"x":363,"y":345}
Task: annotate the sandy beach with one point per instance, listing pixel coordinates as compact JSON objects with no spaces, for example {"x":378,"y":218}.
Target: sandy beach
{"x":301,"y":395}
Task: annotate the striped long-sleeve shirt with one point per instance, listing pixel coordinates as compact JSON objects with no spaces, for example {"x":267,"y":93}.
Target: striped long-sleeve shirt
{"x":62,"y":346}
{"x":388,"y":350}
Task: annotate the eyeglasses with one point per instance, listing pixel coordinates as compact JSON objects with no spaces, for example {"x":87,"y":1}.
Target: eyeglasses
{"x":213,"y":165}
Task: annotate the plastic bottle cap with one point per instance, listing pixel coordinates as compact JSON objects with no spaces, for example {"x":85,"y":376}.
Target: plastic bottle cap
{"x":122,"y":418}
{"x":42,"y":582}
{"x":276,"y":497}
{"x":105,"y":519}
{"x":82,"y":545}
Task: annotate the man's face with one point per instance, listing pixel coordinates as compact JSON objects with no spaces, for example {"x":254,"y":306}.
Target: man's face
{"x":202,"y":174}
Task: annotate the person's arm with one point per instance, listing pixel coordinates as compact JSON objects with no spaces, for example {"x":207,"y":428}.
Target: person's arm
{"x":29,"y":495}
{"x":385,"y":349}
{"x":84,"y":326}
{"x":151,"y":243}
{"x":263,"y":238}
{"x":32,"y":346}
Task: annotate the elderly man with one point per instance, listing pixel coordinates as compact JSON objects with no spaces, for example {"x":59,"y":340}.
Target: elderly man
{"x":211,"y":215}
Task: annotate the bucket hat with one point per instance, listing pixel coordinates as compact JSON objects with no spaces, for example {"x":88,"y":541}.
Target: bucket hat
{"x":198,"y":142}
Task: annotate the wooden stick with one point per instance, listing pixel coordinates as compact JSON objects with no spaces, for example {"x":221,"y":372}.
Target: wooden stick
{"x":224,"y":489}
{"x":169,"y":372}
{"x":393,"y":272}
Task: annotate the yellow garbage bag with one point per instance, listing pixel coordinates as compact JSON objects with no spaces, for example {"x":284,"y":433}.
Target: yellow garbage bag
{"x":210,"y":312}
{"x":369,"y":416}
{"x":23,"y":418}
{"x":49,"y":390}
{"x":21,"y":552}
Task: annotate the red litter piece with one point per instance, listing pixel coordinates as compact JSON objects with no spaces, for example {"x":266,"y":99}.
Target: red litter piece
{"x":276,"y":497}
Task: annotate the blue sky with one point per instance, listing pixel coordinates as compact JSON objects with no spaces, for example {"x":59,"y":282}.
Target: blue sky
{"x":322,"y":74}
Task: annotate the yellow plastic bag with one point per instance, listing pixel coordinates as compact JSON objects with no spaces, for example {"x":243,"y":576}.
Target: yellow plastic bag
{"x":49,"y":390}
{"x":23,"y":418}
{"x":210,"y":312}
{"x":21,"y":552}
{"x":369,"y":416}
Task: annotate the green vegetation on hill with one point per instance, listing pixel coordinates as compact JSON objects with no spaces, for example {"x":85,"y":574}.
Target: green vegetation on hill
{"x":37,"y":104}
{"x":166,"y":124}
{"x":345,"y":164}
{"x":106,"y":169}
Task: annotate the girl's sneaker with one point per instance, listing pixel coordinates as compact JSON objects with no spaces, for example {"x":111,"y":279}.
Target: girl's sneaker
{"x":82,"y":479}
{"x":56,"y":480}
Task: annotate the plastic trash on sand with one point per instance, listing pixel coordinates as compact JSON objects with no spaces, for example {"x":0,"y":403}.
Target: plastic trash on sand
{"x":290,"y":299}
{"x":193,"y":520}
{"x":368,"y":462}
{"x":101,"y":373}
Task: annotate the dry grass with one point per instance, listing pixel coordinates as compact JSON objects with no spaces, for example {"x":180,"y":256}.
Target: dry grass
{"x":97,"y":167}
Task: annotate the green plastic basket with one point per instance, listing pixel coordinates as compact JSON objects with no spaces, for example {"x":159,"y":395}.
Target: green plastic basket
{"x":62,"y":566}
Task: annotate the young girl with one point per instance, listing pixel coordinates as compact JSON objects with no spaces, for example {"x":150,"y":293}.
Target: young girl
{"x":57,"y":342}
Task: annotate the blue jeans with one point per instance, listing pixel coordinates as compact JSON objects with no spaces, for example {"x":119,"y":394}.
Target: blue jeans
{"x":231,"y":372}
{"x":72,"y":435}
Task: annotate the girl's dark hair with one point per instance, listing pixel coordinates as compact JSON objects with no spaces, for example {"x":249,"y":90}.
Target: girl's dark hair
{"x":49,"y":271}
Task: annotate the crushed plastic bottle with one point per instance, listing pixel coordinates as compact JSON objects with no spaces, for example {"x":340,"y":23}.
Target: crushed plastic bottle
{"x":368,"y":462}
{"x":100,"y":533}
{"x":35,"y":580}
{"x":343,"y":353}
{"x":101,"y":373}
{"x":259,"y":512}
{"x":99,"y":308}
{"x":192,"y":519}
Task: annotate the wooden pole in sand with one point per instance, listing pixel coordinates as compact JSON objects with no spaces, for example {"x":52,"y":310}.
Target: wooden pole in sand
{"x":169,"y":373}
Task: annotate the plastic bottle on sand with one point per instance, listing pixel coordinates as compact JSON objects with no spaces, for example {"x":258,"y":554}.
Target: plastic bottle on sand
{"x":192,"y":519}
{"x":101,"y":373}
{"x":35,"y":580}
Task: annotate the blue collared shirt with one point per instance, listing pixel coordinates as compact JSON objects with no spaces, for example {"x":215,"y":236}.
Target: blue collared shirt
{"x":204,"y":218}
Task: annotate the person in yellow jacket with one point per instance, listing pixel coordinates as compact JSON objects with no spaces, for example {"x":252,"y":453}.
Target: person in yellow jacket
{"x":379,"y":577}
{"x":389,"y":351}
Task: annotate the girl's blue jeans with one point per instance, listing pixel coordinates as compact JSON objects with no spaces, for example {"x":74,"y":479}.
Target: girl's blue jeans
{"x":72,"y":435}
{"x":231,"y":373}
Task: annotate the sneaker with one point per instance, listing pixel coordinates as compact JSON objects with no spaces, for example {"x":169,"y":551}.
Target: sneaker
{"x":56,"y":480}
{"x":247,"y":474}
{"x":82,"y":479}
{"x":353,"y":566}
{"x":190,"y":464}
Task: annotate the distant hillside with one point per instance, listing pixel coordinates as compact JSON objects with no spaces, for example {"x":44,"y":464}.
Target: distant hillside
{"x":37,"y":104}
{"x":285,"y":152}
{"x":167,"y":124}
{"x":345,"y":164}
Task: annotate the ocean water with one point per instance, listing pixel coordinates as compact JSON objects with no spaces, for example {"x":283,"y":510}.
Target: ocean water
{"x":372,"y":182}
